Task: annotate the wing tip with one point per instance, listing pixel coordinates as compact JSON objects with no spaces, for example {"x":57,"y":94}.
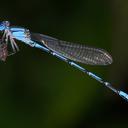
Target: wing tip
{"x":108,"y":59}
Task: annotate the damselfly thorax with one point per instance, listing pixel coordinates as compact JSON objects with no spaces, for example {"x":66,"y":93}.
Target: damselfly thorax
{"x":8,"y":37}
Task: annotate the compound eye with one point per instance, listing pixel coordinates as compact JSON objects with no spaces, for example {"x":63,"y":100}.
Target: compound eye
{"x":2,"y":27}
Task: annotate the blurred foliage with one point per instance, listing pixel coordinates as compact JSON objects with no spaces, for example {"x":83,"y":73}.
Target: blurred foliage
{"x":38,"y":90}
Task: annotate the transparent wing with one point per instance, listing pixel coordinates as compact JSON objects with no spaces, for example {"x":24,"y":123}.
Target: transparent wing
{"x":76,"y":52}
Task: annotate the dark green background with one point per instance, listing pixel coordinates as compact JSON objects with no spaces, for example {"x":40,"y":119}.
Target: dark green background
{"x":39,"y":91}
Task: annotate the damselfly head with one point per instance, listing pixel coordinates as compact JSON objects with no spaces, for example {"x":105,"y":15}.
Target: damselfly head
{"x":4,"y":24}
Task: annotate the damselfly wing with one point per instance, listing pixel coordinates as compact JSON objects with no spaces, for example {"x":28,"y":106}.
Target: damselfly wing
{"x":73,"y":51}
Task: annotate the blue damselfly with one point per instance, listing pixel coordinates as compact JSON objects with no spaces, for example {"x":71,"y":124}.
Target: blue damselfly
{"x":66,"y":51}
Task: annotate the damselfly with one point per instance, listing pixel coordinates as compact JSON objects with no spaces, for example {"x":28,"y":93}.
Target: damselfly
{"x":66,"y":51}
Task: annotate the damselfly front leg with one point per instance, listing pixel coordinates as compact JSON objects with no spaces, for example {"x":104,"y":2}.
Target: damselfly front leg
{"x":8,"y":38}
{"x":3,"y":51}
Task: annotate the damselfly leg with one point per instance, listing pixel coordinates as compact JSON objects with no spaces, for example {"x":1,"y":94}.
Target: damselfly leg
{"x":8,"y":39}
{"x":3,"y":51}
